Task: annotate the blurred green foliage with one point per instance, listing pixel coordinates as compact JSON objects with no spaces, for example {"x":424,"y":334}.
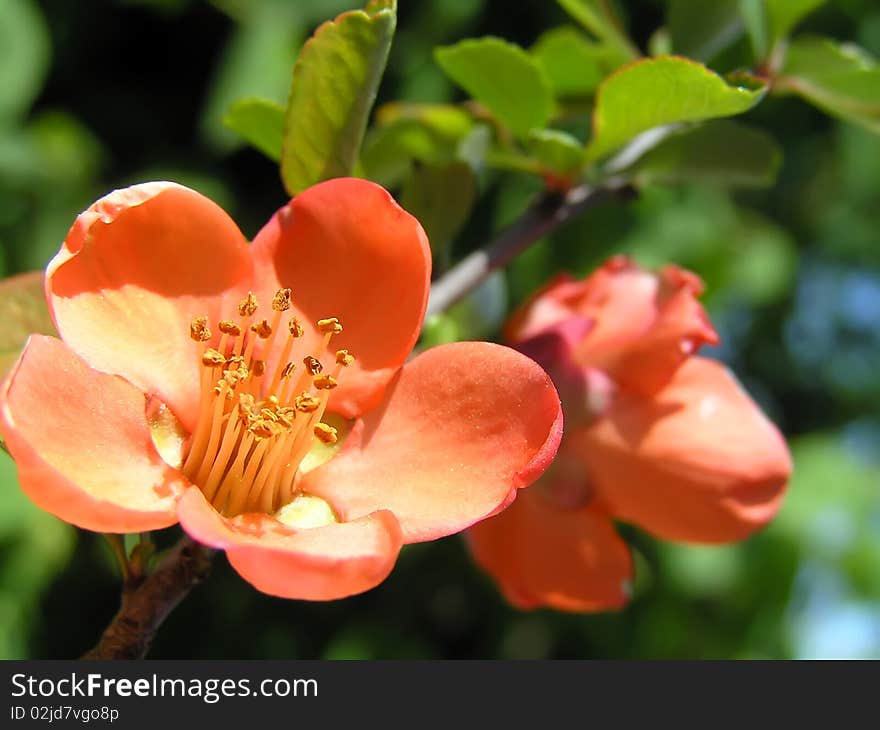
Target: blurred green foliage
{"x":93,"y":101}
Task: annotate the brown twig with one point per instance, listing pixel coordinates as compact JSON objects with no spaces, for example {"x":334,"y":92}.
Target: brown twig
{"x":148,"y":601}
{"x":549,"y":212}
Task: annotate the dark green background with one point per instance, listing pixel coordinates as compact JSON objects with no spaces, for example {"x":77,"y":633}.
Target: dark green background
{"x":97,"y":95}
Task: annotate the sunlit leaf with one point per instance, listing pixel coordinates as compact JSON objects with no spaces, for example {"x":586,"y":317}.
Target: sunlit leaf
{"x":721,"y":151}
{"x":574,"y":65}
{"x":502,"y":77}
{"x":660,"y":91}
{"x":841,"y":79}
{"x":429,"y":133}
{"x":334,"y":85}
{"x":23,"y":312}
{"x":260,"y":122}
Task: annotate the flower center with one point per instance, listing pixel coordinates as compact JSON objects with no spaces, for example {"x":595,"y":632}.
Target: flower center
{"x":257,"y":423}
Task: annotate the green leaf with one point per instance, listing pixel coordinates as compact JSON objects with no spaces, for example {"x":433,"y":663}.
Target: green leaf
{"x":441,"y":198}
{"x":597,"y":17}
{"x":659,"y":91}
{"x":557,"y":152}
{"x":841,"y":79}
{"x":502,"y":77}
{"x":430,"y":133}
{"x":335,"y":81}
{"x":573,"y":64}
{"x":784,"y":15}
{"x":260,"y":122}
{"x":754,"y":16}
{"x":23,"y":312}
{"x":701,"y":30}
{"x":721,"y":152}
{"x":24,"y":57}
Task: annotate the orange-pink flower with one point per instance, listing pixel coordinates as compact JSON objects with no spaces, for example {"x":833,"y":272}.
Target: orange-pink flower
{"x":203,"y":380}
{"x":655,"y":436}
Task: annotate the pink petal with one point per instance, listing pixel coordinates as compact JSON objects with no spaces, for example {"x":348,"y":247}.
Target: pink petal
{"x":463,"y":427}
{"x":136,"y":267}
{"x":347,"y":250}
{"x":317,"y":564}
{"x":82,"y":445}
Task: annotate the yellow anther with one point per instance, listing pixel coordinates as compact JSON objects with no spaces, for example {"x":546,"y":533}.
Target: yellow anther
{"x":326,"y":434}
{"x":272,"y":400}
{"x":296,"y":329}
{"x":288,"y":370}
{"x":329,"y":326}
{"x":248,"y":305}
{"x":325,"y":382}
{"x":286,"y":416}
{"x":263,"y":429}
{"x":234,"y":376}
{"x":307,"y":403}
{"x":281,"y":300}
{"x":198,"y":329}
{"x":212,"y":359}
{"x":344,"y":358}
{"x":258,"y":367}
{"x":262,"y":329}
{"x":267,"y":414}
{"x":228,"y":327}
{"x":313,"y":365}
{"x":246,"y":404}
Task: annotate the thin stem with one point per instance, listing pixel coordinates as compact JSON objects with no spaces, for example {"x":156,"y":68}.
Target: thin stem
{"x":117,"y":547}
{"x":147,"y":603}
{"x":549,"y":212}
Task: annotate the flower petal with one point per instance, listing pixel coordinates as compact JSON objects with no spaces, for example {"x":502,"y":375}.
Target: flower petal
{"x":463,"y":427}
{"x":644,"y":325}
{"x":317,"y":564}
{"x":82,"y":445}
{"x":347,"y":250}
{"x":135,"y":268}
{"x":699,"y":462}
{"x":540,"y":555}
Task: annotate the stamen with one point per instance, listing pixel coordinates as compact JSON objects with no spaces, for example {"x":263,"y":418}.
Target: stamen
{"x":250,"y":437}
{"x":228,"y":327}
{"x":248,"y":305}
{"x":262,"y":329}
{"x":330,"y":326}
{"x":307,"y":403}
{"x":281,"y":300}
{"x":313,"y":365}
{"x":198,"y":329}
{"x":325,"y":382}
{"x":326,"y":434}
{"x":212,"y":359}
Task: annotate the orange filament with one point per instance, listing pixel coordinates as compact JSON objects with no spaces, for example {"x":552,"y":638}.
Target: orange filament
{"x":256,"y":425}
